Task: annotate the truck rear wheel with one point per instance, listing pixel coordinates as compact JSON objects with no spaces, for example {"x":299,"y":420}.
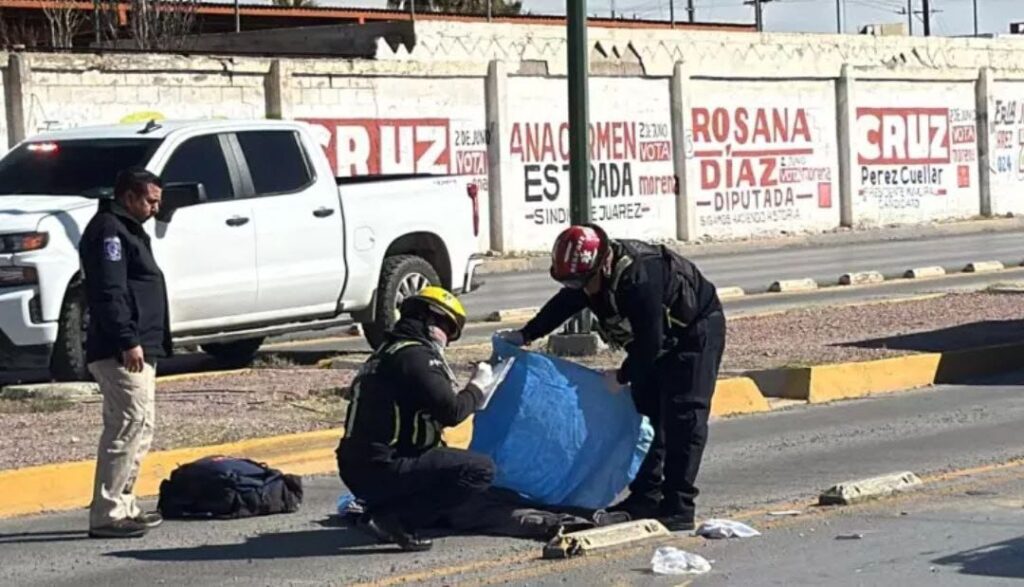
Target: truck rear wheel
{"x":237,"y":353}
{"x":68,"y":363}
{"x":402,"y":276}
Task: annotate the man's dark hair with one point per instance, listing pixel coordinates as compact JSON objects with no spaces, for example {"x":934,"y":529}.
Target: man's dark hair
{"x":135,"y":180}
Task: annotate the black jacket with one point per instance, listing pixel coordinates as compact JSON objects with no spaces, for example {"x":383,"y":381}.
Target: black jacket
{"x":647,"y":306}
{"x":124,"y":288}
{"x":402,"y":397}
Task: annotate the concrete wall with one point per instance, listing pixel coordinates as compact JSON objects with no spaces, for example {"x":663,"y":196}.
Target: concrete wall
{"x":695,"y":134}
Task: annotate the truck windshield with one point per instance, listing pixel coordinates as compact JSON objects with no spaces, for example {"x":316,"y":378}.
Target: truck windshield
{"x":84,"y":167}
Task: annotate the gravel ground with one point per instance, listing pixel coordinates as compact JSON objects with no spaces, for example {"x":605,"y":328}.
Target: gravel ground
{"x":273,"y":401}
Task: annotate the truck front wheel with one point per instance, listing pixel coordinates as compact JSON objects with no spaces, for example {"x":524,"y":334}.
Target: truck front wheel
{"x":402,"y":276}
{"x":67,"y":363}
{"x":237,"y":353}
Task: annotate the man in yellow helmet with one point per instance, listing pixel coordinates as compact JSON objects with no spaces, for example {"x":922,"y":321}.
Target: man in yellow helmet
{"x":392,"y":456}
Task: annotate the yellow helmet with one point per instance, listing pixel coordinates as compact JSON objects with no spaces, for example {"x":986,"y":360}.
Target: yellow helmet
{"x":442,"y":302}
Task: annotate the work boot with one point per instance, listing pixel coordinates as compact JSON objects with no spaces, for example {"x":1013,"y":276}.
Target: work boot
{"x":676,"y":517}
{"x":390,"y":527}
{"x":125,"y":528}
{"x":637,"y":506}
{"x":149,"y":519}
{"x":606,"y":518}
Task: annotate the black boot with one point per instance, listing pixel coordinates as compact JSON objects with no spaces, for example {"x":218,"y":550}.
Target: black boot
{"x":638,"y":507}
{"x":677,"y":516}
{"x":390,"y":526}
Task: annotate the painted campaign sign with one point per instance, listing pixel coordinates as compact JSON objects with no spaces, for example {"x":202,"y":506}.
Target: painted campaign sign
{"x":763,"y":157}
{"x":374,"y":146}
{"x":917,"y":162}
{"x":632,"y":179}
{"x":1006,"y":147}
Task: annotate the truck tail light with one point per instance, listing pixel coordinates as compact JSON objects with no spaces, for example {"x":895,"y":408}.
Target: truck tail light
{"x":474,"y":192}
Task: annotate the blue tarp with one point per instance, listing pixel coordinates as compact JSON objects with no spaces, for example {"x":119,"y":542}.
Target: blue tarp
{"x":557,"y":435}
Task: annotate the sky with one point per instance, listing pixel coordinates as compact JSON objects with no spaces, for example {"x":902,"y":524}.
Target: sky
{"x":951,"y":17}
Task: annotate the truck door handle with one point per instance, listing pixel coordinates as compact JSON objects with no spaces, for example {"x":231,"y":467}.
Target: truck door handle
{"x":236,"y":221}
{"x":323,"y":212}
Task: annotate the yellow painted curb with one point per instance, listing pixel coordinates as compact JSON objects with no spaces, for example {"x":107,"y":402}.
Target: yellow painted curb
{"x":825,"y":383}
{"x":737,"y":395}
{"x":69,"y":485}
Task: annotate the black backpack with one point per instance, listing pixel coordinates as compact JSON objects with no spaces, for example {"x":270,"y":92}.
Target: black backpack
{"x":227,"y":487}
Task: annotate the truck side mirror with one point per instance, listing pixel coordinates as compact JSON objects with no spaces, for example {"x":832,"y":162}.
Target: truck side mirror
{"x":179,"y":195}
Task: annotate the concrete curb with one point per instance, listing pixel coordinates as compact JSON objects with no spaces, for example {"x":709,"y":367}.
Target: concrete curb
{"x":861,"y":278}
{"x":861,"y":490}
{"x":737,"y":395}
{"x":923,"y":272}
{"x":730,"y":293}
{"x":512,"y":315}
{"x":793,"y":285}
{"x":983,"y":267}
{"x":826,"y":383}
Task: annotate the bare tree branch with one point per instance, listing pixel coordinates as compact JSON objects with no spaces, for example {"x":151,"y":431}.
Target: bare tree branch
{"x":65,"y":21}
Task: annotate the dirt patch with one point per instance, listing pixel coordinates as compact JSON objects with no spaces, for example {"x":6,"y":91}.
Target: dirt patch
{"x":270,"y":401}
{"x":208,"y":410}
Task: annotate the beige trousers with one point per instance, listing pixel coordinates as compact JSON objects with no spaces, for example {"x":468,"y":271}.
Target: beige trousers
{"x":128,"y":420}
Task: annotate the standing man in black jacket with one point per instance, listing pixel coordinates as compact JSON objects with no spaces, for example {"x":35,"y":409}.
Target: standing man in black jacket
{"x":129,"y":330}
{"x":392,"y":455}
{"x":667,"y":316}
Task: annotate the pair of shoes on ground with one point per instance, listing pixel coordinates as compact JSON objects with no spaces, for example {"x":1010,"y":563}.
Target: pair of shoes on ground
{"x":388,"y":529}
{"x":128,"y":527}
{"x":677,"y":519}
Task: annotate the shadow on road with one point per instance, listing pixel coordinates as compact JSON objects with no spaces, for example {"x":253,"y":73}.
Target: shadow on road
{"x":1002,"y":559}
{"x":34,"y":537}
{"x":331,"y":541}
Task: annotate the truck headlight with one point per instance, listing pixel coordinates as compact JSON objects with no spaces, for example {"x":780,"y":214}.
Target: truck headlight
{"x":11,"y":276}
{"x":21,"y":242}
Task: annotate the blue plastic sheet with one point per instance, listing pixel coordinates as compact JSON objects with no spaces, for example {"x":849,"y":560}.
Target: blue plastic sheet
{"x":557,"y":435}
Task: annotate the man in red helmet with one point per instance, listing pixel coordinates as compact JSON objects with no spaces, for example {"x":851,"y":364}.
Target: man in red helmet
{"x":657,"y":306}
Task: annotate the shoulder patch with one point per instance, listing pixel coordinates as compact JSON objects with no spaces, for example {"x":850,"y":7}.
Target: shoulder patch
{"x":112,"y":248}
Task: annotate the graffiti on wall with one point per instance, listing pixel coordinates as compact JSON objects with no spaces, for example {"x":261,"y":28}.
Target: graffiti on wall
{"x":909,"y":156}
{"x":629,"y":161}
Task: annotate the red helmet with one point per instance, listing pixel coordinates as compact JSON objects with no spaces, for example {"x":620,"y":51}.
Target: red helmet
{"x":578,"y":254}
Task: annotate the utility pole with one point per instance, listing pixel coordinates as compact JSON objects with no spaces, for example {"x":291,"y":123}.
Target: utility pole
{"x":672,"y":13}
{"x":613,"y":8}
{"x":927,"y":9}
{"x":839,"y":17}
{"x":576,"y":338}
{"x":758,"y":13}
{"x":975,"y":18}
{"x":691,"y":11}
{"x":238,"y":17}
{"x":910,"y":17}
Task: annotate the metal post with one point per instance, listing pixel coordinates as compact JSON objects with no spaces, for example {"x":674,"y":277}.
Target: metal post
{"x":579,"y":145}
{"x":490,"y":10}
{"x":758,"y":17}
{"x":691,"y":11}
{"x":612,"y":8}
{"x":672,"y":13}
{"x":910,"y":17}
{"x":839,"y":16}
{"x":975,"y":18}
{"x":927,"y":9}
{"x":238,"y":17}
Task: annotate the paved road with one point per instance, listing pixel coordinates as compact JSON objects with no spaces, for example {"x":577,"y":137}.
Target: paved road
{"x":754,"y":271}
{"x":752,"y":461}
{"x":312,"y":344}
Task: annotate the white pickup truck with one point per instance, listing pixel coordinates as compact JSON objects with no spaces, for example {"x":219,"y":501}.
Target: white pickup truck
{"x":256,"y":237}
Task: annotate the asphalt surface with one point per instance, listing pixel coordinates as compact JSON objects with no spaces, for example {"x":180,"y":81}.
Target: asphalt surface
{"x":773,"y":460}
{"x":310,"y":346}
{"x":756,"y":270}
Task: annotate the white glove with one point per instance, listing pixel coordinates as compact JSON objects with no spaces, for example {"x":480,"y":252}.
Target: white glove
{"x":487,"y":379}
{"x":513,"y":337}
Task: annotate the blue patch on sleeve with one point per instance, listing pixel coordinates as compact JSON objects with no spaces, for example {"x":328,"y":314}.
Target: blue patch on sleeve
{"x":112,"y":248}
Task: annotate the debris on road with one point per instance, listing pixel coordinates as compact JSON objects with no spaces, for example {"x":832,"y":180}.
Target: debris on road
{"x":857,"y":536}
{"x":669,"y":560}
{"x":716,"y":528}
{"x":785,"y":513}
